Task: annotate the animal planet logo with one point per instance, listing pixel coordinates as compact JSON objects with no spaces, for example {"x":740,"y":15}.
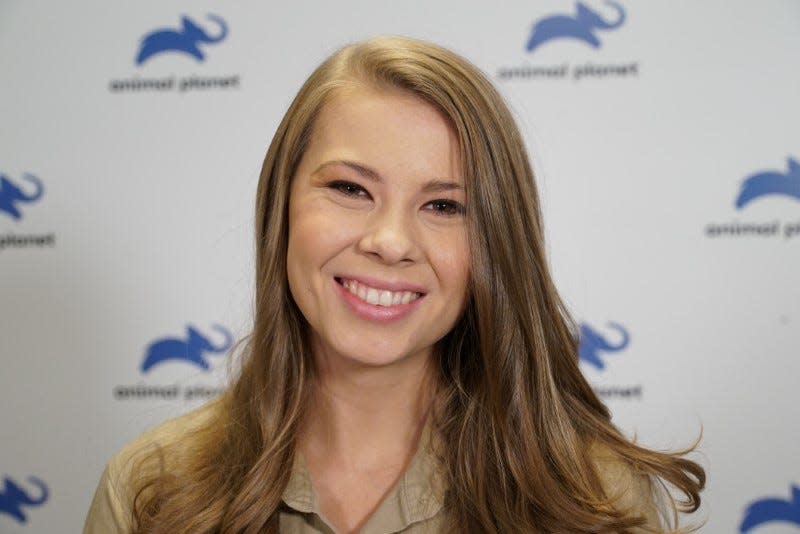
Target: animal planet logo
{"x":186,"y":40}
{"x":583,"y":27}
{"x":771,"y":183}
{"x":765,"y":184}
{"x":12,"y":195}
{"x":593,"y":347}
{"x":193,"y":349}
{"x":190,"y":39}
{"x":14,"y":499}
{"x":15,"y":196}
{"x":772,"y":510}
{"x":592,"y":343}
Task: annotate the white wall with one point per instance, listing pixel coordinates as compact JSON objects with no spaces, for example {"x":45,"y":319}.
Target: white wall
{"x":145,"y":221}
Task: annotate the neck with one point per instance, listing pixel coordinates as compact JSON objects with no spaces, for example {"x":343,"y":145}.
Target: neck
{"x":367,"y":416}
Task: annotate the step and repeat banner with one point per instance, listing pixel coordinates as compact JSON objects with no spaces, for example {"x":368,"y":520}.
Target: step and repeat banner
{"x":666,"y":140}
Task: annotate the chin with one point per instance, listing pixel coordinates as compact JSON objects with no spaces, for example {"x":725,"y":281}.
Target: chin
{"x":376,"y":354}
{"x":375,"y":358}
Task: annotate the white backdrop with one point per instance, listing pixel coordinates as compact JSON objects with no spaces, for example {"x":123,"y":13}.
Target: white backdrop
{"x":143,"y":225}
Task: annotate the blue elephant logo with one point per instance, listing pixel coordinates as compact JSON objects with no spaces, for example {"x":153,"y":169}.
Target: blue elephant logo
{"x":581,"y":26}
{"x":13,"y":498}
{"x":191,"y":350}
{"x":11,"y":195}
{"x":593,"y":343}
{"x":185,"y":40}
{"x":771,"y":183}
{"x":772,"y":510}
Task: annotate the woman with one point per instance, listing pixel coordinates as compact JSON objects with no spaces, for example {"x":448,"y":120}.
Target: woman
{"x":411,"y":367}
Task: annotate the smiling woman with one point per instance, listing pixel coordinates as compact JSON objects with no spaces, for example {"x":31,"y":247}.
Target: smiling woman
{"x":411,"y":367}
{"x":376,"y":216}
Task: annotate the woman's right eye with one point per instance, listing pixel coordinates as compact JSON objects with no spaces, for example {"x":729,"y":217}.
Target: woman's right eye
{"x":348,"y":188}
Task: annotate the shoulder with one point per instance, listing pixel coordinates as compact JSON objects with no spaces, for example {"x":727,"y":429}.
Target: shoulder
{"x":157,"y":448}
{"x":166,"y":435}
{"x":630,"y":489}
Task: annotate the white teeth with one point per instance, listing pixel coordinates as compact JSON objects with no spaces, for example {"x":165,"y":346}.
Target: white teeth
{"x":379,"y":297}
{"x":373,"y":297}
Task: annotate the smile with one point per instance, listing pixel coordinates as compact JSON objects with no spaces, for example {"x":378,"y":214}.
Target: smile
{"x":378,"y":297}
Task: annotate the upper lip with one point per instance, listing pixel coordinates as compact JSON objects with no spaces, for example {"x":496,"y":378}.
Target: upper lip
{"x":388,"y":285}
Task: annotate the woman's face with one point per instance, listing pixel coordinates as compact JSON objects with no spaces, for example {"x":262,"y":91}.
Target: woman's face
{"x":378,"y":260}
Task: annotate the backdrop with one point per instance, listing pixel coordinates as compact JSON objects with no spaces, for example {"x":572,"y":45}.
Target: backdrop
{"x":666,"y":140}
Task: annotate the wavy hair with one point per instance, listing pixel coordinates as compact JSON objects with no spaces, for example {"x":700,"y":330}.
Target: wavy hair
{"x":528,"y":439}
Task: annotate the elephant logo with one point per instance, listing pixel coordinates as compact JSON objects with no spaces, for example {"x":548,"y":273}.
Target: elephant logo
{"x":772,"y":510}
{"x":191,"y":350}
{"x":593,"y":343}
{"x":13,"y":498}
{"x":581,"y":26}
{"x":771,"y":183}
{"x":185,"y":40}
{"x":11,"y":195}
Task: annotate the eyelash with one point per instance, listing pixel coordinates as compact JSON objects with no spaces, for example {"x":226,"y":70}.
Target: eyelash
{"x":443,"y":206}
{"x":450,"y":207}
{"x":348,"y":188}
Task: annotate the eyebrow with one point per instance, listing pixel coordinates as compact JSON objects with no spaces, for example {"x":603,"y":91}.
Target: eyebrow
{"x":432,"y":186}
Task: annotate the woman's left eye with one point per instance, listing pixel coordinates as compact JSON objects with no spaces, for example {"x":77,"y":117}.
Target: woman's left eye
{"x":446,"y":207}
{"x":349,"y":189}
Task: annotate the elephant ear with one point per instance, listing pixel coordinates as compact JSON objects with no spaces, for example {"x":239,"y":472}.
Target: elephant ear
{"x":192,"y":332}
{"x":188,"y":25}
{"x":584,"y":14}
{"x":794,"y":166}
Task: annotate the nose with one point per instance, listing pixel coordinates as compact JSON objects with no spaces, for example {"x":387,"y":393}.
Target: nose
{"x":388,"y":236}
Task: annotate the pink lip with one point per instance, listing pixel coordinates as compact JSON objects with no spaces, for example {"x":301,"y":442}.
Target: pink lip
{"x":371,"y":312}
{"x":389,"y":285}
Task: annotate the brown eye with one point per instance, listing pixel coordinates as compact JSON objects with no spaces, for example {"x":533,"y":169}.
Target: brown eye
{"x":446,"y":207}
{"x":348,"y":188}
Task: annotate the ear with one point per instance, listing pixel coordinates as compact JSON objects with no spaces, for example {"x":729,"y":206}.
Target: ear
{"x":187,"y":23}
{"x":584,"y":13}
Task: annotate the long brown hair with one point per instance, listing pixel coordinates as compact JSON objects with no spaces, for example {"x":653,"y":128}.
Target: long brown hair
{"x":529,"y":442}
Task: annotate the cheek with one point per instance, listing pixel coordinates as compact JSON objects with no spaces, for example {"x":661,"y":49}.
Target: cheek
{"x":316,"y":236}
{"x":304,"y":239}
{"x":299,"y":257}
{"x":454,"y":265}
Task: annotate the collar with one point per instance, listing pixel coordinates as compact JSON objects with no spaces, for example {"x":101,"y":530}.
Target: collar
{"x":417,"y":496}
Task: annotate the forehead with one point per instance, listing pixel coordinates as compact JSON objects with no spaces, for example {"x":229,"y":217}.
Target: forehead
{"x":355,"y":98}
{"x":388,"y":128}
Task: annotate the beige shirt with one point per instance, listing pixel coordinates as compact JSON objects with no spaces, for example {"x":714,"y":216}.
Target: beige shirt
{"x":413,"y":505}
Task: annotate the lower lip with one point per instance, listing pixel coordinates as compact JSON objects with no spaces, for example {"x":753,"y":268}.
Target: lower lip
{"x":371,"y":312}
